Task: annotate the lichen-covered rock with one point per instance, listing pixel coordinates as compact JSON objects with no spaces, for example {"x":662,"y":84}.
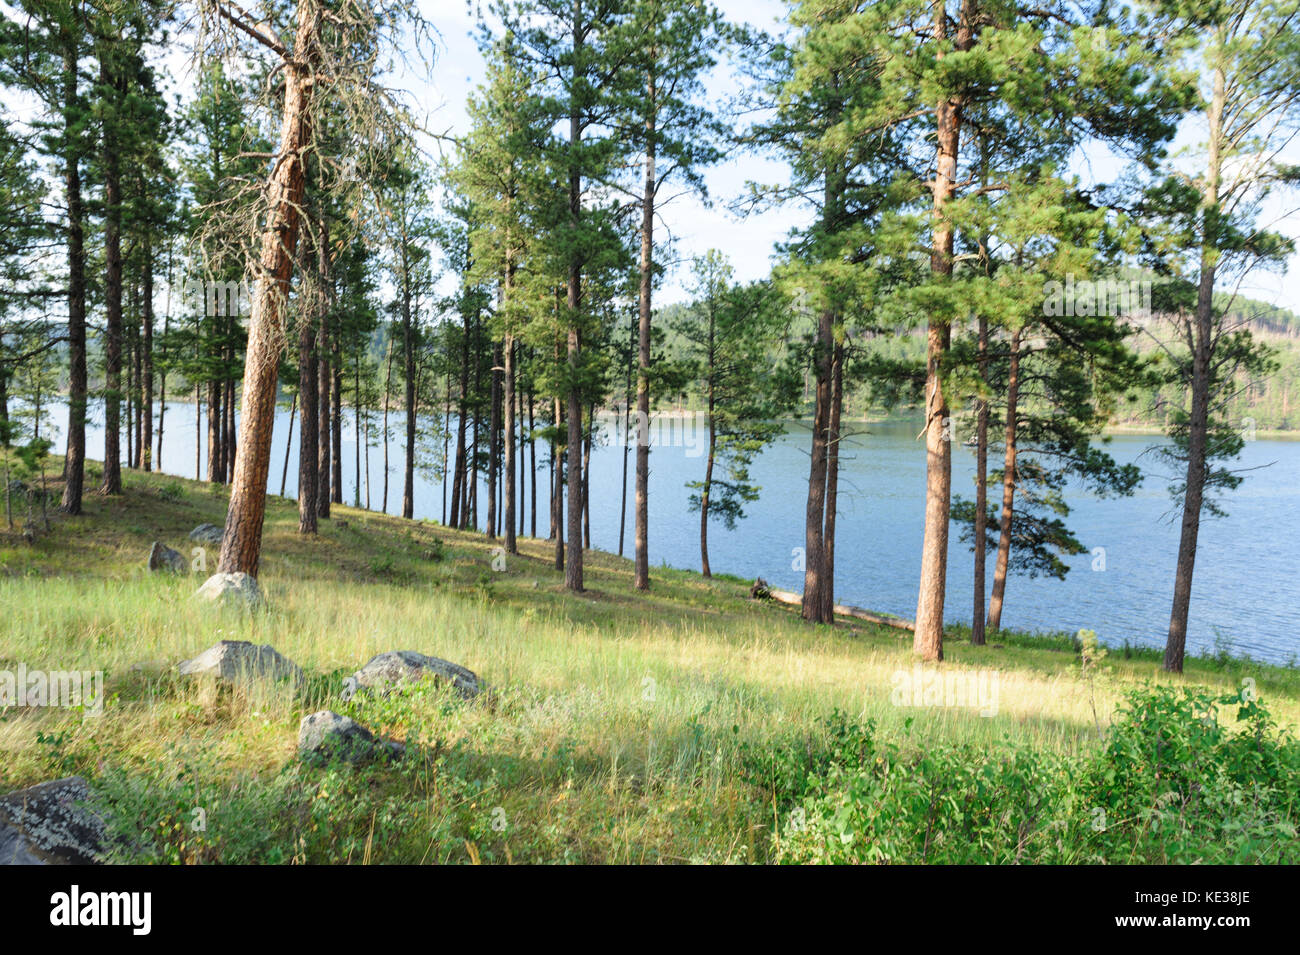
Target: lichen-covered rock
{"x":162,"y":557}
{"x":238,"y":661}
{"x":207,"y":534}
{"x":396,"y":667}
{"x":50,"y":824}
{"x":326,"y":734}
{"x":235,"y":588}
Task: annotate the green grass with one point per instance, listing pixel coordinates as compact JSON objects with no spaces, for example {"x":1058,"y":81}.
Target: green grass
{"x":617,"y":726}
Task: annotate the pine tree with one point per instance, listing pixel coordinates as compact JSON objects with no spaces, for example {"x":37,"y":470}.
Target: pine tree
{"x":1204,"y":229}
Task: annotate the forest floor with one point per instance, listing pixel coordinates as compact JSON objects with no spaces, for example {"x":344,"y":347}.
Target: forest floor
{"x":621,"y":726}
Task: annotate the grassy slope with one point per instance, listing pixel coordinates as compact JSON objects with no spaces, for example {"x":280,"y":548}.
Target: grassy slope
{"x":615,"y":732}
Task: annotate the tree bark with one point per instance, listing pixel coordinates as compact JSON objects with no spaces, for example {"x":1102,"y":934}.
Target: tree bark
{"x":215,"y":468}
{"x":74,"y":469}
{"x":241,"y":545}
{"x":323,"y":377}
{"x":1008,"y":488}
{"x":1198,"y":423}
{"x":813,"y":608}
{"x":512,"y":544}
{"x":927,"y":642}
{"x":308,"y":452}
{"x":494,"y":427}
{"x":532,"y":466}
{"x":981,"y":488}
{"x":388,"y":390}
{"x":356,"y":430}
{"x":112,"y":483}
{"x":408,"y":364}
{"x":146,"y":359}
{"x":558,"y":462}
{"x":832,"y":484}
{"x":288,"y":444}
{"x":227,"y":427}
{"x":641,"y":562}
{"x":336,"y":420}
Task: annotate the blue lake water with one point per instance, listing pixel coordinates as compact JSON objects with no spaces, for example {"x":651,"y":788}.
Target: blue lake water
{"x":1246,"y":597}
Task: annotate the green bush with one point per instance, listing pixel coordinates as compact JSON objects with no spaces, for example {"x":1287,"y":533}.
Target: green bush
{"x":1170,"y":784}
{"x":172,"y":491}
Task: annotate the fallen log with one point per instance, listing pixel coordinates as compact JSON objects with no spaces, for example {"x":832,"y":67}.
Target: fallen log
{"x":845,"y":610}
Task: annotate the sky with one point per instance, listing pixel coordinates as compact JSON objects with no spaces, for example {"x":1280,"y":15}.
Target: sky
{"x":694,"y":224}
{"x":440,"y":94}
{"x":749,"y":242}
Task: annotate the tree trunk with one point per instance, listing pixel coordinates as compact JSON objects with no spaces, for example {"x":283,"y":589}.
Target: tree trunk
{"x":162,"y":371}
{"x":813,"y":607}
{"x":356,"y":431}
{"x":228,"y":425}
{"x":198,"y":431}
{"x":832,"y":484}
{"x":928,"y":638}
{"x":1198,"y":422}
{"x":641,"y":562}
{"x":112,"y":483}
{"x":408,"y":358}
{"x":558,"y":462}
{"x":323,"y":377}
{"x":241,"y":545}
{"x":462,"y":412}
{"x":589,"y":434}
{"x":532,"y":465}
{"x":146,"y":360}
{"x":1008,"y":488}
{"x":309,"y":432}
{"x":129,"y":366}
{"x":708,"y":485}
{"x":288,"y":444}
{"x":215,"y":467}
{"x":494,"y":427}
{"x":446,"y":440}
{"x":336,"y":421}
{"x":512,"y":544}
{"x":74,"y":469}
{"x":981,"y":487}
{"x":388,"y":390}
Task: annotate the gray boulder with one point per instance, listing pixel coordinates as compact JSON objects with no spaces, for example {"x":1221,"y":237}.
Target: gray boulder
{"x":207,"y":534}
{"x":237,"y":587}
{"x":326,"y":734}
{"x":397,"y":667}
{"x":238,"y":661}
{"x":162,"y":557}
{"x":49,"y":824}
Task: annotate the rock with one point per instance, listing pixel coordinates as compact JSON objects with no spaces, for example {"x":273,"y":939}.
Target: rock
{"x":396,"y":667}
{"x":228,"y":587}
{"x":760,"y":590}
{"x":238,"y":661}
{"x":162,"y":557}
{"x":207,"y":534}
{"x":325,"y":734}
{"x":49,"y":824}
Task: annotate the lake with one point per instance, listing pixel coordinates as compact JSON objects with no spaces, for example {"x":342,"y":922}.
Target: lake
{"x":1244,"y":600}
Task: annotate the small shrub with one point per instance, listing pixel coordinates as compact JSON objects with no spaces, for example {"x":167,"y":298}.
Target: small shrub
{"x":1170,"y":784}
{"x":172,"y":491}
